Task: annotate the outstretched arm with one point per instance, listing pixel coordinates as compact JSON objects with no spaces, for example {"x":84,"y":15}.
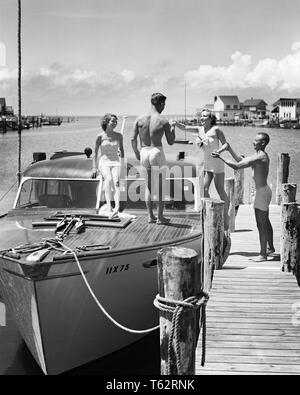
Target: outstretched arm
{"x":243,"y":163}
{"x":235,"y":156}
{"x":184,"y":127}
{"x":223,"y":141}
{"x":170,"y":133}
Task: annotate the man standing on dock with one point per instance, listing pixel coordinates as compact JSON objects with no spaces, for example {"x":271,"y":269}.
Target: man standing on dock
{"x":150,"y":128}
{"x":260,"y":164}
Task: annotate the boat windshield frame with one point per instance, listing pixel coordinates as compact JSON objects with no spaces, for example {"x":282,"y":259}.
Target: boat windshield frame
{"x":195,"y":181}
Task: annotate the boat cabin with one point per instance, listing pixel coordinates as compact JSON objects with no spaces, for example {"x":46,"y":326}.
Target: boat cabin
{"x":65,"y":181}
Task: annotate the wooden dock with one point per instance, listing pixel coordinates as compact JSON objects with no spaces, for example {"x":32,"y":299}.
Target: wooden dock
{"x":253,"y":315}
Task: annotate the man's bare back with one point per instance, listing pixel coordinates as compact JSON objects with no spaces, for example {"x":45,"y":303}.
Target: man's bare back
{"x":150,"y":128}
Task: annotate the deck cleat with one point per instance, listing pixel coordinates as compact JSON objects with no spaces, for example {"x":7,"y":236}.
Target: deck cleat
{"x":61,"y":225}
{"x":80,"y":225}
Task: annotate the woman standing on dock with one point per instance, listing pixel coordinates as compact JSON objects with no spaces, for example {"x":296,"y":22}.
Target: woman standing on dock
{"x":209,"y":139}
{"x":109,"y":163}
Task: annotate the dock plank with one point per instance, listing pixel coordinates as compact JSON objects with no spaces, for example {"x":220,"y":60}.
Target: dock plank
{"x":253,"y":315}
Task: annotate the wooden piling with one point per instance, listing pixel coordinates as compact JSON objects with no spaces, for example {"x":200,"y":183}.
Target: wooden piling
{"x":288,"y":193}
{"x":290,"y":238}
{"x":212,"y":219}
{"x":239,"y":177}
{"x":283,"y":162}
{"x":230,"y":191}
{"x":179,"y":278}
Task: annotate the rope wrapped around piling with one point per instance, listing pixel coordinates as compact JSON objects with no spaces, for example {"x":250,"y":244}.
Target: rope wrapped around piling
{"x":176,"y":308}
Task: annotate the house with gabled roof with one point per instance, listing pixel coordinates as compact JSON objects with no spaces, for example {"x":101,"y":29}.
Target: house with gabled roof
{"x":2,"y":105}
{"x":287,"y":108}
{"x":254,"y":108}
{"x":4,"y":109}
{"x":226,"y":108}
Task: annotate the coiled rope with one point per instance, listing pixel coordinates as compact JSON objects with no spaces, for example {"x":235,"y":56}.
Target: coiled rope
{"x":139,"y":331}
{"x":176,"y":308}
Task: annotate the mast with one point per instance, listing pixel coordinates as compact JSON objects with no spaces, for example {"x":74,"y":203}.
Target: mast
{"x":185,"y":107}
{"x":19,"y":93}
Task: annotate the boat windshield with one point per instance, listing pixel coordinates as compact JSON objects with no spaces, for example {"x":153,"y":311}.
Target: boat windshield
{"x":70,"y":193}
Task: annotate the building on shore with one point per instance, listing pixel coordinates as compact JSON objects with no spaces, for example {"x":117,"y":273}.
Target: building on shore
{"x":227,"y":108}
{"x":254,"y":108}
{"x":287,"y":109}
{"x":4,"y":109}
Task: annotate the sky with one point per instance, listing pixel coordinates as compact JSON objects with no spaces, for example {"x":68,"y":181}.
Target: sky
{"x":89,"y":57}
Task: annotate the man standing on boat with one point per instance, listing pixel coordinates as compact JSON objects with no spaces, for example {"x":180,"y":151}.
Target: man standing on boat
{"x":150,"y":128}
{"x":260,"y":165}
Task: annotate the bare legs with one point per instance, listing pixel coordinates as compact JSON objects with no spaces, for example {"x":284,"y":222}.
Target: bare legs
{"x":219,"y":184}
{"x":147,"y":175}
{"x":265,"y":232}
{"x":116,"y":170}
{"x":111,"y":176}
{"x":155,"y":177}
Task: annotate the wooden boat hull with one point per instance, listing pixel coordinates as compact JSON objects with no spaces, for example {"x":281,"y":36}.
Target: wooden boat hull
{"x":61,"y":323}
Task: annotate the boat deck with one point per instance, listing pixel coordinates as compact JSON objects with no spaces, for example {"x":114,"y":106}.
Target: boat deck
{"x":253,"y":311}
{"x":135,"y":234}
{"x":139,"y":232}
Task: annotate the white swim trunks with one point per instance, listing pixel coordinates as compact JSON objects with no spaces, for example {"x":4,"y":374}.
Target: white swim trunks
{"x":263,"y":198}
{"x":152,"y":156}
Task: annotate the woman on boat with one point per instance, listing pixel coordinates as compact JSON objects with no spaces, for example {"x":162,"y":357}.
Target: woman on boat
{"x":109,"y":163}
{"x":209,"y":139}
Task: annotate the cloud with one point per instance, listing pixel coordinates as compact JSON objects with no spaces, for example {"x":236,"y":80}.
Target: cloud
{"x":59,"y":77}
{"x":7,"y":74}
{"x":128,"y":75}
{"x":282,"y":74}
{"x":66,"y":87}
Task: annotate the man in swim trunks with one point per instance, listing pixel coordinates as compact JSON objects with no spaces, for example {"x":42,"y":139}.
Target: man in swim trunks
{"x":150,"y":128}
{"x":260,"y":165}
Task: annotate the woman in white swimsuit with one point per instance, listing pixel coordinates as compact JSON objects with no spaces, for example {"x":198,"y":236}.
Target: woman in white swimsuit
{"x":111,"y":148}
{"x":209,"y":139}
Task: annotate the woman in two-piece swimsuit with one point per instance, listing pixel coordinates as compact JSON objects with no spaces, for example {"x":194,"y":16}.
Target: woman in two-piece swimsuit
{"x":111,"y":148}
{"x":209,"y":139}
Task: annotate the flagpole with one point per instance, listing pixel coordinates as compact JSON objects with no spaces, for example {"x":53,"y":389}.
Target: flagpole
{"x":19,"y":93}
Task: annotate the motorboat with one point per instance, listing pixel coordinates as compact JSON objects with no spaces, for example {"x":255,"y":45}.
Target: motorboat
{"x":79,"y":284}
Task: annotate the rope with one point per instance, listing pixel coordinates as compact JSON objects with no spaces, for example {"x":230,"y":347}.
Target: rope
{"x":176,"y":308}
{"x":6,"y":193}
{"x":97,"y":301}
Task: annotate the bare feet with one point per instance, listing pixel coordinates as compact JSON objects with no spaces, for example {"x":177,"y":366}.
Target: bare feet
{"x":114,"y":214}
{"x":152,"y":220}
{"x":259,"y":258}
{"x":162,"y":221}
{"x":270,"y":251}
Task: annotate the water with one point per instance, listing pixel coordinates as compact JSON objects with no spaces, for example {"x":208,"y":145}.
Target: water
{"x":76,"y":136}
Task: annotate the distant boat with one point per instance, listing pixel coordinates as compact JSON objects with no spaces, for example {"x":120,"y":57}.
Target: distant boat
{"x":260,"y":123}
{"x":289,"y":124}
{"x":51,"y":121}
